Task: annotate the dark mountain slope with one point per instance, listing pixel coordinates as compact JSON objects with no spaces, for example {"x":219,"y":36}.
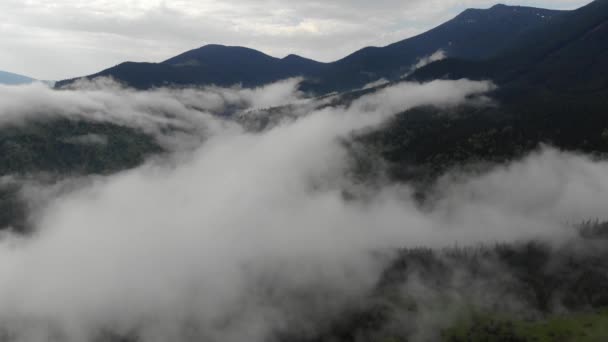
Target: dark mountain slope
{"x":567,"y":55}
{"x":553,"y":90}
{"x":573,"y":60}
{"x":473,"y":34}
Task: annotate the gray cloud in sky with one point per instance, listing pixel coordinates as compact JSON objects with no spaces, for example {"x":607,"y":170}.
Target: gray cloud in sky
{"x":66,"y":38}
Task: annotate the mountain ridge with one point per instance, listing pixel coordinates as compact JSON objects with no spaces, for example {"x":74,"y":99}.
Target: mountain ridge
{"x":549,"y":56}
{"x":228,"y":65}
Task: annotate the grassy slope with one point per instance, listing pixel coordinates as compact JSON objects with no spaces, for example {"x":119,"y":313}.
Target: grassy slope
{"x":583,"y":327}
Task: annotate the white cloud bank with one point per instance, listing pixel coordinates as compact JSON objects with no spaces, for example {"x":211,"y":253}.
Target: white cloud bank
{"x":250,"y":233}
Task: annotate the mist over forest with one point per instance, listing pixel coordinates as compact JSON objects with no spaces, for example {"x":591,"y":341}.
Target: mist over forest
{"x":421,"y":191}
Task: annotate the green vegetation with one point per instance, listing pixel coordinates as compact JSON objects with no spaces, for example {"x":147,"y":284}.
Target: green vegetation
{"x":507,"y":292}
{"x":53,"y":147}
{"x":60,"y":148}
{"x":578,"y":327}
{"x":422,"y":144}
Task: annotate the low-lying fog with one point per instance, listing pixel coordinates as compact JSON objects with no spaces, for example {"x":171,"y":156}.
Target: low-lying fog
{"x":235,"y":235}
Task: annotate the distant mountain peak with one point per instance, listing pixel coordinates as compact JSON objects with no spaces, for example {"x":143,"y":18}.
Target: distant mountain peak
{"x":13,"y":79}
{"x":221,"y":47}
{"x":506,"y":12}
{"x":216,"y":53}
{"x":298,"y":58}
{"x":503,"y":8}
{"x":210,"y":46}
{"x":293,"y":57}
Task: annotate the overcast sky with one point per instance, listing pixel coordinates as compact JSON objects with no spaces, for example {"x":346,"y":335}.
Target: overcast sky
{"x":57,"y":39}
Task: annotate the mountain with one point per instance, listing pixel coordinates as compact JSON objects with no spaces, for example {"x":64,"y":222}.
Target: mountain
{"x":552,"y":77}
{"x":553,"y":90}
{"x":14,"y":79}
{"x":568,"y":55}
{"x":211,"y":64}
{"x":573,"y":60}
{"x":475,"y":33}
